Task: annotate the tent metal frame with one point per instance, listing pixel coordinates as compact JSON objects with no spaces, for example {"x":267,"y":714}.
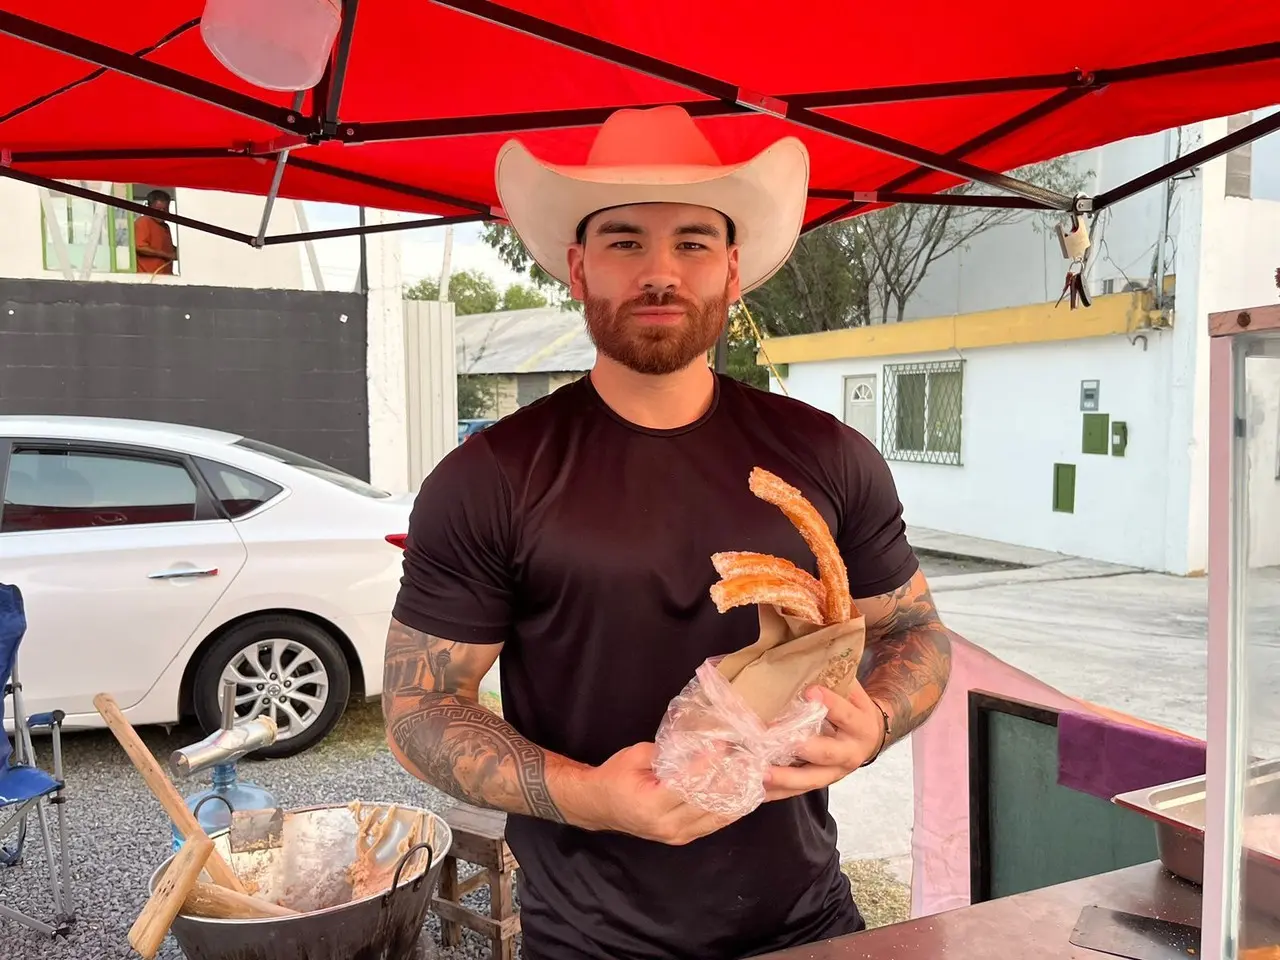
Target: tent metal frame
{"x":323,"y":123}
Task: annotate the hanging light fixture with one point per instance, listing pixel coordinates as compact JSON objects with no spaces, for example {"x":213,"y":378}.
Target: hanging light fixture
{"x":274,"y":44}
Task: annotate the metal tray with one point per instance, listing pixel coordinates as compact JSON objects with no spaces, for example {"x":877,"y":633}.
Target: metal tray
{"x":1178,"y":812}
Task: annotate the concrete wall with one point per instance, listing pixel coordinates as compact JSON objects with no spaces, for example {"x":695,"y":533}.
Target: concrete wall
{"x":204,"y":259}
{"x":1021,"y":415}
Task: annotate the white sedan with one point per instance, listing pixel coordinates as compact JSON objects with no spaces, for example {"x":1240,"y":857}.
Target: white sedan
{"x":156,"y":560}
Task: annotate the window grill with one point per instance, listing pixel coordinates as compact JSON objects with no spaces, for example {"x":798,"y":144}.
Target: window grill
{"x":923,"y":406}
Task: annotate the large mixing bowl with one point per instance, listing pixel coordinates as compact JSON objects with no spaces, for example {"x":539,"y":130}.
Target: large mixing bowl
{"x":381,"y":926}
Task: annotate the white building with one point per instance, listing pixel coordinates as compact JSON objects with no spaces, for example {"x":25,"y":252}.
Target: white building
{"x":1083,"y":431}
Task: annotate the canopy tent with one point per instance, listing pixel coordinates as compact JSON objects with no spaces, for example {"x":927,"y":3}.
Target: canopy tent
{"x":895,"y":101}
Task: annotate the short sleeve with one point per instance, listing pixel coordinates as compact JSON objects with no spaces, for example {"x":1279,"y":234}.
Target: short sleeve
{"x":872,"y":536}
{"x":456,"y":582}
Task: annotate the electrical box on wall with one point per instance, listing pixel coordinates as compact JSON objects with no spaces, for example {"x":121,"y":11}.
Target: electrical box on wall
{"x":1096,"y":439}
{"x":1064,"y":488}
{"x":1119,"y":438}
{"x":1089,"y":395}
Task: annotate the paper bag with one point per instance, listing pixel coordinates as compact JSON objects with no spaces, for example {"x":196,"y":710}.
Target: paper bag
{"x":745,"y":712}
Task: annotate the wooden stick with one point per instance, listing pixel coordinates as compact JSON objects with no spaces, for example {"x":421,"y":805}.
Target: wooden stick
{"x":162,"y":787}
{"x":211,"y":900}
{"x":152,"y":925}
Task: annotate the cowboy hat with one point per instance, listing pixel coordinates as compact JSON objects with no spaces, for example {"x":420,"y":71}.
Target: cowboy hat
{"x":658,"y":155}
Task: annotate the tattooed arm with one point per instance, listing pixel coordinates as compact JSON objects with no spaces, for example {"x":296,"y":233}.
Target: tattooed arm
{"x":908,"y":657}
{"x":441,"y":734}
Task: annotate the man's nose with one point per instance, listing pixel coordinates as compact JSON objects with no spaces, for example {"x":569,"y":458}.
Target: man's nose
{"x":660,"y":274}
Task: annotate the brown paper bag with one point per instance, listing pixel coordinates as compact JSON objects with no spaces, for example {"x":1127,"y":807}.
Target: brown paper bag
{"x":791,"y":655}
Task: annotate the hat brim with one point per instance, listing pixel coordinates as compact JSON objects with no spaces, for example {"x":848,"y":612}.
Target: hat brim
{"x":765,"y":197}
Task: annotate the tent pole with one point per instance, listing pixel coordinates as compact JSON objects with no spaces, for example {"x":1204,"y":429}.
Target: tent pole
{"x":985,"y":139}
{"x":1210,"y":151}
{"x":392,"y":186}
{"x":368,"y":228}
{"x":121,"y":204}
{"x":277,"y":175}
{"x":337,"y":80}
{"x":112,"y":59}
{"x":930,"y":199}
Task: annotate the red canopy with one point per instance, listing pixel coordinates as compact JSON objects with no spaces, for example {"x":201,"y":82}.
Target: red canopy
{"x":421,"y":94}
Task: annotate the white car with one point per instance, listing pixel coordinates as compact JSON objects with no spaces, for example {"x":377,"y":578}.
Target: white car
{"x":156,"y":560}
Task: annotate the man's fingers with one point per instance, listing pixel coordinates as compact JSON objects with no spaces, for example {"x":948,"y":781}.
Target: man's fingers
{"x":801,"y":779}
{"x":834,"y":751}
{"x":841,"y":713}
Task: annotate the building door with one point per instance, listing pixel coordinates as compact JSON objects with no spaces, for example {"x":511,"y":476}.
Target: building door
{"x":860,"y":404}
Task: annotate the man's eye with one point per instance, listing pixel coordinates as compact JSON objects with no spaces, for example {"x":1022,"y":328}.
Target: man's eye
{"x":620,"y":244}
{"x":693,"y":245}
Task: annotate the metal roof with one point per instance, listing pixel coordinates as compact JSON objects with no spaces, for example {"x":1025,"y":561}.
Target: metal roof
{"x":540,"y":340}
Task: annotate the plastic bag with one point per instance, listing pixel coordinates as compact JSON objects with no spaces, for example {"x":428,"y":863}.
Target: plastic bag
{"x":713,"y":749}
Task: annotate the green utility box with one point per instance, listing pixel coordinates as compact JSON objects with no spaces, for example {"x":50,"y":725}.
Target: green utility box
{"x":1119,"y":438}
{"x":1097,"y":433}
{"x":1064,"y":488}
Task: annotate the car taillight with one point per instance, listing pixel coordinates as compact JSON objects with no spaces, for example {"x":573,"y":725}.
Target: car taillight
{"x":397,"y":539}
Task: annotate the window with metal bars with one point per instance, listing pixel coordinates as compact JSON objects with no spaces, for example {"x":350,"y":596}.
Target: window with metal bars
{"x":923,"y":407}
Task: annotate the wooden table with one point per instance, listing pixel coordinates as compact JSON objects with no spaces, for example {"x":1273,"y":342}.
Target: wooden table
{"x":1035,"y":925}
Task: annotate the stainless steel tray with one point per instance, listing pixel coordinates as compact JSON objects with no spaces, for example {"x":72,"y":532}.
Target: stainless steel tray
{"x":1178,"y":812}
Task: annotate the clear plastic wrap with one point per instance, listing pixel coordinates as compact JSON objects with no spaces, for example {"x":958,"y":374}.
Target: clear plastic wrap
{"x":713,"y":748}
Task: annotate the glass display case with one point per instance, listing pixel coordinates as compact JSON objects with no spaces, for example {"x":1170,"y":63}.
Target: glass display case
{"x":1242,"y":792}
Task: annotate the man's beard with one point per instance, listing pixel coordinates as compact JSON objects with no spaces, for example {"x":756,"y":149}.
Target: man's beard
{"x":655,"y":348}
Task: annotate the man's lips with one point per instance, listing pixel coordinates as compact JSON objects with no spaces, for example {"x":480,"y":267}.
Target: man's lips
{"x":668,"y":314}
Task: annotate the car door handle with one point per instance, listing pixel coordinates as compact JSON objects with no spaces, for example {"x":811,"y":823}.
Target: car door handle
{"x":182,"y":574}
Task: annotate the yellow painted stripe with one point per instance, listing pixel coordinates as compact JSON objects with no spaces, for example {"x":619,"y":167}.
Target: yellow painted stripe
{"x":1034,"y":323}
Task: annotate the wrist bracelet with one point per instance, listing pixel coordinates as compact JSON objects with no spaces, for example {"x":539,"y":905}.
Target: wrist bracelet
{"x":884,"y":738}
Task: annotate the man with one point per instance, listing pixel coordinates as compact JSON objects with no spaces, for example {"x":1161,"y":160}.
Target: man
{"x":153,"y":247}
{"x":573,"y":539}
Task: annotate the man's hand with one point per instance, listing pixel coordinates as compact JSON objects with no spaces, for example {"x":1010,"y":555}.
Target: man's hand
{"x":623,"y":795}
{"x":858,"y":735}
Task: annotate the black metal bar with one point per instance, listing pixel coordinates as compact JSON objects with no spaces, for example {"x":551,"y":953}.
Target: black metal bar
{"x":380,"y":183}
{"x":98,"y":156}
{"x":338,"y":79}
{"x":155,"y":73}
{"x":1210,"y":151}
{"x":574,"y":40}
{"x":601,"y":49}
{"x":1237,"y":57}
{"x":432,"y":128}
{"x":277,"y":177}
{"x":368,"y":228}
{"x":94,"y":75}
{"x":1015,"y":123}
{"x":121,"y":204}
{"x":939,"y":91}
{"x":931,"y":199}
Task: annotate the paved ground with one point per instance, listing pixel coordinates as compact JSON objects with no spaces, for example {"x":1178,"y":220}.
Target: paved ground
{"x":1129,"y":640}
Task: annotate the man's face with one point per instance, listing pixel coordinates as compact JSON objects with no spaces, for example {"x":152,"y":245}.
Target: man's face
{"x":656,"y":281}
{"x":160,"y":203}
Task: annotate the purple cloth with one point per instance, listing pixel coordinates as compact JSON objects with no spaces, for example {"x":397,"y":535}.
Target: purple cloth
{"x":1104,"y":757}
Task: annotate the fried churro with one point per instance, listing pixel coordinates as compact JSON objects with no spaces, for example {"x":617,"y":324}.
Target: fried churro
{"x":792,"y":599}
{"x":806,"y":518}
{"x":736,"y":563}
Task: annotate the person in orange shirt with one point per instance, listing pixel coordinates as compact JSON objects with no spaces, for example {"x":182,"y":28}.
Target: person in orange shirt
{"x":153,"y":244}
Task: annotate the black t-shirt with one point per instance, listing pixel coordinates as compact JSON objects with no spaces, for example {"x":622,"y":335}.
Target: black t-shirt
{"x":583,"y":542}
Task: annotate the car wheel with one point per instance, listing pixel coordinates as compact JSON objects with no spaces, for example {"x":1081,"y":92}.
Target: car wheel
{"x":285,"y":667}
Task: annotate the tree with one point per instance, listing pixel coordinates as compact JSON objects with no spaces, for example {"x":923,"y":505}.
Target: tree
{"x":470,"y":292}
{"x":519,"y":297}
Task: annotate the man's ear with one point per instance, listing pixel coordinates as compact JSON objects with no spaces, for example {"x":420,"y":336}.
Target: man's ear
{"x":577,"y":274}
{"x":733,"y":289}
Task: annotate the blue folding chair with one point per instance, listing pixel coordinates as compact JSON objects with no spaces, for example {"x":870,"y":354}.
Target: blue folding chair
{"x":23,"y":784}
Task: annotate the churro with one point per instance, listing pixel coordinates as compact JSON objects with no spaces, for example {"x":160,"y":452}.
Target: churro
{"x":736,"y":563}
{"x":806,"y":518}
{"x":793,"y":600}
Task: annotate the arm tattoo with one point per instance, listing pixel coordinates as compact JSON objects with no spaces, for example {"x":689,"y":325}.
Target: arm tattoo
{"x":908,"y":657}
{"x":446,"y":738}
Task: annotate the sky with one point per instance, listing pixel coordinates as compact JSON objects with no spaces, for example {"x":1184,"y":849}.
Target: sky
{"x":422,"y":250}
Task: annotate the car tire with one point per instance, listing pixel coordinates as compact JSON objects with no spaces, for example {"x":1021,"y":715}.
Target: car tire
{"x":315,"y":680}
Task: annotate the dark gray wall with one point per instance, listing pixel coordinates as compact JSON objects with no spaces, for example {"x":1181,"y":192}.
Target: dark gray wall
{"x":284,"y":366}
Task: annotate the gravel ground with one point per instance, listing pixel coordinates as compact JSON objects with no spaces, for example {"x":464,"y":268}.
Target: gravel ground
{"x":119,"y":835}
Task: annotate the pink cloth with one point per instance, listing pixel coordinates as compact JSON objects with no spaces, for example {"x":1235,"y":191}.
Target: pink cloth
{"x":1105,"y":756}
{"x":940,"y":755}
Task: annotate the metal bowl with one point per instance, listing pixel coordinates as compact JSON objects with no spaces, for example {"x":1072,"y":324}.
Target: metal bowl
{"x":380,"y":926}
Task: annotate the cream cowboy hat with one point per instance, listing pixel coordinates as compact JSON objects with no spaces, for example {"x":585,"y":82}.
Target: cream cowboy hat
{"x":658,"y":155}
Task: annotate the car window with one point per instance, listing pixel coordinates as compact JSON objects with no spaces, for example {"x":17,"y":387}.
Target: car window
{"x":238,"y":490}
{"x":313,"y":467}
{"x":63,"y":489}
